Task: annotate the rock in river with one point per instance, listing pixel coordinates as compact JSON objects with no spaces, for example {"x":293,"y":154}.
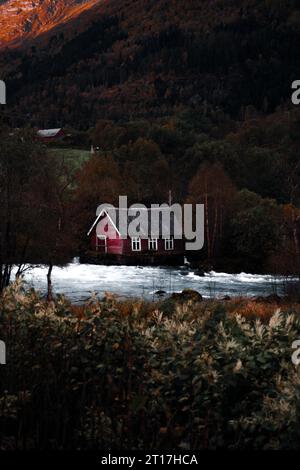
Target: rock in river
{"x":187,"y":295}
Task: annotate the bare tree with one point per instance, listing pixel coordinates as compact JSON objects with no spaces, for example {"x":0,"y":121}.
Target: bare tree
{"x":25,"y":193}
{"x":212,"y":187}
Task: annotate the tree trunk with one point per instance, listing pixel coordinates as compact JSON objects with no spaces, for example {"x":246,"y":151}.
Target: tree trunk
{"x":5,"y":276}
{"x":214,"y":235}
{"x":49,"y":283}
{"x":207,"y":223}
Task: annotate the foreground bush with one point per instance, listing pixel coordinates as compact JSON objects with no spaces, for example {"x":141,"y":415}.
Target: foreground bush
{"x":134,"y":376}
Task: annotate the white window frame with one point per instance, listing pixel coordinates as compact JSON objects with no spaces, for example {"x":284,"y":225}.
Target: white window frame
{"x":152,"y":244}
{"x":169,"y":244}
{"x":136,"y":244}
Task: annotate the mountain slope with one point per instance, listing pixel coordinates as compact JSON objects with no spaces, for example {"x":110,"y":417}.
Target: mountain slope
{"x":124,"y":59}
{"x":21,"y":20}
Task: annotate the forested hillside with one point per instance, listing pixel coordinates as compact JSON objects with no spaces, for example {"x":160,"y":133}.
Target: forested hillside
{"x":147,"y":59}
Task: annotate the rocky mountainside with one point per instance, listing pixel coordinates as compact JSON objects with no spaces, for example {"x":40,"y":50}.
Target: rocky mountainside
{"x":21,"y":20}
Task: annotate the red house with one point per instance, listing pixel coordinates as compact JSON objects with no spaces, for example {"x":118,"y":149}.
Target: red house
{"x":49,"y":135}
{"x":111,"y":242}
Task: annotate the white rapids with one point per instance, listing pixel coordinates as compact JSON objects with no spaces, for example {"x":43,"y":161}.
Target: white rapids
{"x":79,"y":281}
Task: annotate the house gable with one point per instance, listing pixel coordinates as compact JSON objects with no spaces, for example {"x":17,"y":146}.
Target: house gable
{"x":110,"y":223}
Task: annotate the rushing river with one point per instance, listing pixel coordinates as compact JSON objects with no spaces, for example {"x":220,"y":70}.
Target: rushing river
{"x":79,"y":281}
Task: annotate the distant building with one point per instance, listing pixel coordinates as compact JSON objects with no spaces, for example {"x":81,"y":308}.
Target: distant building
{"x":49,"y":135}
{"x":152,"y":250}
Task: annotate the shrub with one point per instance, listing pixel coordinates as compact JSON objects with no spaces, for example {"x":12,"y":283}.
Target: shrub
{"x":125,"y":375}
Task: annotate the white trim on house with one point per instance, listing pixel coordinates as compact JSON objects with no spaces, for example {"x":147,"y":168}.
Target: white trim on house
{"x":153,"y":244}
{"x":169,"y":244}
{"x":97,"y":220}
{"x":136,"y":244}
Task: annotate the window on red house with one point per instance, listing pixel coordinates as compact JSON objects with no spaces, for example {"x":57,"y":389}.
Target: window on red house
{"x":136,"y":244}
{"x":153,"y":244}
{"x":169,"y":244}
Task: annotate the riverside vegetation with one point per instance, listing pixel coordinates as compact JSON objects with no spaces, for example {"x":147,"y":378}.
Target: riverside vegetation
{"x":132,"y":375}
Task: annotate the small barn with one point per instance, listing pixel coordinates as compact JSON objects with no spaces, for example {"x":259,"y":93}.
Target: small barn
{"x":50,"y":135}
{"x":112,"y":241}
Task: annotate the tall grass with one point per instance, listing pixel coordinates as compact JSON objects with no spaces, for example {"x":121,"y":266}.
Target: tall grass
{"x":132,"y":375}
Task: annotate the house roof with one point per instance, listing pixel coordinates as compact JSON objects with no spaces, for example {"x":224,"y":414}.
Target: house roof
{"x":159,"y":223}
{"x":46,"y":133}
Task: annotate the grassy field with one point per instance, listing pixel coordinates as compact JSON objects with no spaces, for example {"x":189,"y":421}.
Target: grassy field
{"x":73,"y":157}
